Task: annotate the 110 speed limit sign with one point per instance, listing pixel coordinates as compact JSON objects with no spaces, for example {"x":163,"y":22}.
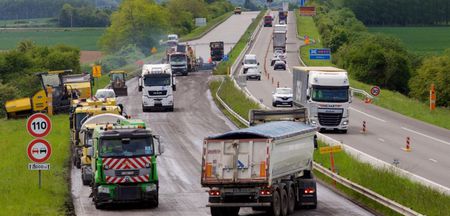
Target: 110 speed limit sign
{"x":39,"y":125}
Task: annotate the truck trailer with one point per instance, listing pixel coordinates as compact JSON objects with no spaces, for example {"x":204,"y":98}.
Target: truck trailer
{"x":279,"y":40}
{"x":325,"y":92}
{"x":266,"y":167}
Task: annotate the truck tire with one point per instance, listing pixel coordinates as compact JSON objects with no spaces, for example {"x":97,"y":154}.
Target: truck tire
{"x":284,"y":202}
{"x":344,"y":131}
{"x":291,"y":200}
{"x":275,"y":209}
{"x":216,"y":211}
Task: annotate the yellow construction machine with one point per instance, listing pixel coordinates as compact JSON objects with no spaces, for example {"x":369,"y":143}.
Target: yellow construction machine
{"x":118,"y":82}
{"x":58,"y":88}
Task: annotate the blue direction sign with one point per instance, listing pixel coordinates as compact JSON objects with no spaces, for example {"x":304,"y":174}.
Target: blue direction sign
{"x":320,"y":54}
{"x":225,"y":58}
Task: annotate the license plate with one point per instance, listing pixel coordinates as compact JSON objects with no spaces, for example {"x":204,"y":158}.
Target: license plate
{"x":127,"y":173}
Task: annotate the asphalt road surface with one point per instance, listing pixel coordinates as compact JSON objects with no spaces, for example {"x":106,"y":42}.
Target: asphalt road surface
{"x":182,"y":131}
{"x":386,"y":130}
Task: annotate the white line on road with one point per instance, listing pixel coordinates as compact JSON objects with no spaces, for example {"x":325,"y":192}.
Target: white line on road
{"x":381,"y":139}
{"x":433,"y":160}
{"x":436,"y":139}
{"x":371,"y":116}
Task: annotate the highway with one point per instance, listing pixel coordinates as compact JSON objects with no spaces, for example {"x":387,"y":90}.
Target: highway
{"x":182,"y":131}
{"x":386,"y":130}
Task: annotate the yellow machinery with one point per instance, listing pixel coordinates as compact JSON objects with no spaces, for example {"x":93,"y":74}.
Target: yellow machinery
{"x":79,"y":116}
{"x":63,"y":89}
{"x":118,"y":82}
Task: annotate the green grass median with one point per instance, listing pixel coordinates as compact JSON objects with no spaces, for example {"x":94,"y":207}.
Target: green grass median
{"x":19,"y":190}
{"x":200,"y":31}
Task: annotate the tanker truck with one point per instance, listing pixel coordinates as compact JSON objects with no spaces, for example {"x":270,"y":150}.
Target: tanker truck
{"x":266,"y":167}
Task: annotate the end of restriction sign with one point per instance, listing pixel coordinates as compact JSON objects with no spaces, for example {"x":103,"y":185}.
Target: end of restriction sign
{"x":38,"y":166}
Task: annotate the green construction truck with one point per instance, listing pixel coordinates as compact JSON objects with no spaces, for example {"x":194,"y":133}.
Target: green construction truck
{"x":124,"y":164}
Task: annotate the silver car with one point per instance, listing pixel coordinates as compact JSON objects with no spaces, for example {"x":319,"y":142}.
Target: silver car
{"x":253,"y":73}
{"x":282,"y":96}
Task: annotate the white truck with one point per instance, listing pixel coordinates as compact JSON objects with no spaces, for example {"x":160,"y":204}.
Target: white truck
{"x":266,"y":167}
{"x":157,"y":85}
{"x":325,"y":92}
{"x":279,"y":39}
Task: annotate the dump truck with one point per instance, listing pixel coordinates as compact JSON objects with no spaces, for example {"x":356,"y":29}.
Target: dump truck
{"x":217,"y":50}
{"x":63,"y":90}
{"x":86,"y":141}
{"x":326,"y":93}
{"x":183,"y":60}
{"x":124,"y":164}
{"x":267,"y":166}
{"x":80,"y":115}
{"x":118,"y":82}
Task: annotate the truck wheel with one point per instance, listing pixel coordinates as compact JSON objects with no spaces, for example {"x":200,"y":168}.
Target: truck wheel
{"x":86,"y":181}
{"x":143,"y":109}
{"x":344,"y":131}
{"x":232,"y":211}
{"x":275,"y":209}
{"x":216,"y":211}
{"x":291,"y":201}
{"x":274,"y":104}
{"x":284,"y":202}
{"x":78,"y":162}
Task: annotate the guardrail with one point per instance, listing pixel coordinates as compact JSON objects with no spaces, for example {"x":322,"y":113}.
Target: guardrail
{"x":364,"y":191}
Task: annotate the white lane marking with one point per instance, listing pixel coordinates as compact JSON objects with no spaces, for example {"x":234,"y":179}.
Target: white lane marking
{"x":371,"y":116}
{"x":381,"y":139}
{"x":433,"y":160}
{"x":436,"y":139}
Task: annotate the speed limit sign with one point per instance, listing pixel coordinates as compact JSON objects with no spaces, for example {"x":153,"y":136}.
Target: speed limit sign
{"x":39,"y":125}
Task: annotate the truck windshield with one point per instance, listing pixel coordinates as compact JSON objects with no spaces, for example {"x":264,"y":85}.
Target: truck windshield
{"x":157,"y":80}
{"x":177,"y":59}
{"x":330,"y":94}
{"x":79,"y":120}
{"x":126,"y":147}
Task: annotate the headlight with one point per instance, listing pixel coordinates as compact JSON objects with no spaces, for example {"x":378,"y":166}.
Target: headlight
{"x":345,"y":122}
{"x":102,"y":189}
{"x":151,"y":187}
{"x":105,"y":167}
{"x":147,"y":165}
{"x":313,"y":122}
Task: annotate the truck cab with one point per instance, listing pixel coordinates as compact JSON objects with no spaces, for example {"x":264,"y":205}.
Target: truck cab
{"x":268,"y":21}
{"x":157,"y":84}
{"x":216,"y":50}
{"x":179,"y":63}
{"x":327,"y":96}
{"x":124,"y":164}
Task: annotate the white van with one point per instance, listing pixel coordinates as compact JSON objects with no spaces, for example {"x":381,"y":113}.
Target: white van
{"x":249,"y":61}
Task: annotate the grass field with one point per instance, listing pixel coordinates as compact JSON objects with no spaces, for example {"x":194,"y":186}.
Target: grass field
{"x":199,"y":31}
{"x":19,"y":186}
{"x":83,"y":38}
{"x":387,"y":99}
{"x":424,"y":40}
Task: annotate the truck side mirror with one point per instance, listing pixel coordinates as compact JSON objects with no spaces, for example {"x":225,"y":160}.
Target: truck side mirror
{"x":242,"y":63}
{"x":90,"y":152}
{"x":174,"y":87}
{"x":257,"y":63}
{"x":157,"y":141}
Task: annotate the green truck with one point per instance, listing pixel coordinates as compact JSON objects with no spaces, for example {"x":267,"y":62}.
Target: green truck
{"x":124,"y":164}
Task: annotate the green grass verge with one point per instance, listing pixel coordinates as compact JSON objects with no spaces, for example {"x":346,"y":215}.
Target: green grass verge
{"x":387,"y":99}
{"x":306,"y":26}
{"x":223,"y":67}
{"x":19,"y":186}
{"x":83,"y":38}
{"x":423,"y":40}
{"x":199,"y":31}
{"x":385,"y":182}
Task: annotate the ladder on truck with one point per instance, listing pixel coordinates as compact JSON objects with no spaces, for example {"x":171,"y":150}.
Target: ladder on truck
{"x":259,"y":116}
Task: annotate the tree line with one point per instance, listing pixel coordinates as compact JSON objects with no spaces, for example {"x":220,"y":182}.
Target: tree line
{"x":379,"y":59}
{"x":144,"y":23}
{"x":29,"y":9}
{"x":84,"y":16}
{"x":400,"y":12}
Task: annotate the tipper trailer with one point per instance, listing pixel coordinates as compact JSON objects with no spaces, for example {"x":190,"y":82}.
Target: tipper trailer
{"x":266,"y":167}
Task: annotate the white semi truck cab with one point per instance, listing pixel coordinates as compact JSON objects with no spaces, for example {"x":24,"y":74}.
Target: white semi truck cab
{"x":157,"y":84}
{"x":325,"y":91}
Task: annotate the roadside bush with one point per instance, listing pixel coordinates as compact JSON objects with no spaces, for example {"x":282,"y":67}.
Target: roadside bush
{"x":378,"y":60}
{"x":7,"y":92}
{"x":435,"y":70}
{"x":127,"y":55}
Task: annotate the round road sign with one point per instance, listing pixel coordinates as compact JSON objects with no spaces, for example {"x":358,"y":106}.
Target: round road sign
{"x":39,"y":150}
{"x":39,"y":125}
{"x":375,"y":91}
